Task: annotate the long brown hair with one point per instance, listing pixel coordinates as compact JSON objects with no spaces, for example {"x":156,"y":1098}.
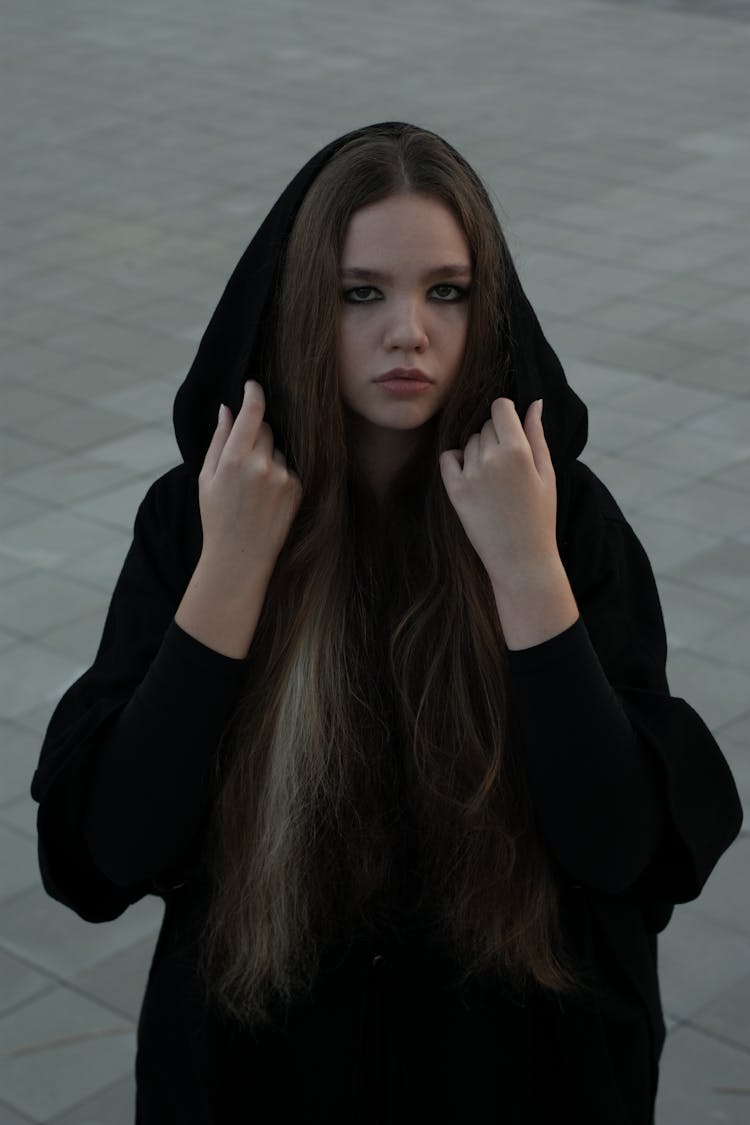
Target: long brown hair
{"x":376,"y":707}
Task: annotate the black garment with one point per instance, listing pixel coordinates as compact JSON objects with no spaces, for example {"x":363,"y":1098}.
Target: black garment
{"x":632,"y":792}
{"x":149,"y":795}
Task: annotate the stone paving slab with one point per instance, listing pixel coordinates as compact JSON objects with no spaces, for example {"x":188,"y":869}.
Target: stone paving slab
{"x":113,"y":1106}
{"x":84,"y":1048}
{"x":703,"y":1079}
{"x":143,"y":144}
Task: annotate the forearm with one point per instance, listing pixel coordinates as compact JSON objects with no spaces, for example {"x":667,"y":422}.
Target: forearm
{"x":150,"y":789}
{"x":221,"y":607}
{"x":592,"y":780}
{"x":535,"y":608}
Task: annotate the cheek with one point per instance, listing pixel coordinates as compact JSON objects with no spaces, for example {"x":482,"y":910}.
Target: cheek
{"x":346,"y":343}
{"x":345,"y":334}
{"x":456,"y":336}
{"x":352,"y":350}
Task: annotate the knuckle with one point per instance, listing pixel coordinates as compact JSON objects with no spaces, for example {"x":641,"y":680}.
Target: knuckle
{"x":511,"y":447}
{"x":233,"y":461}
{"x":260,"y":463}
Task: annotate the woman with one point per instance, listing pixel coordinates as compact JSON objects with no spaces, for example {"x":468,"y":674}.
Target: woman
{"x":380,"y":707}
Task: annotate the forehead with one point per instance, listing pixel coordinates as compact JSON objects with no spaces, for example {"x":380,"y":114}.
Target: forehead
{"x":402,"y":228}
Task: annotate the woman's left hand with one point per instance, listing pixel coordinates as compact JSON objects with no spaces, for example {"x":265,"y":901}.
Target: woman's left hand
{"x":503,"y":489}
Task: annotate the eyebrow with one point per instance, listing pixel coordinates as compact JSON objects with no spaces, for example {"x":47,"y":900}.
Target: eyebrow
{"x":451,"y":270}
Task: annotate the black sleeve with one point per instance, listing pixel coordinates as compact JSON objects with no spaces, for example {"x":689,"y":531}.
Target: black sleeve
{"x":594,"y":786}
{"x":141,"y":653}
{"x":167,"y":734}
{"x":677,"y":761}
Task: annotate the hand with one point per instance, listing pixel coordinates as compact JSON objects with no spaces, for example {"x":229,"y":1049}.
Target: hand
{"x":248,"y":497}
{"x":503,"y":489}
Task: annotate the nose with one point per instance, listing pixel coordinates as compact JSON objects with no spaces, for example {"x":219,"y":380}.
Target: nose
{"x":406,"y":329}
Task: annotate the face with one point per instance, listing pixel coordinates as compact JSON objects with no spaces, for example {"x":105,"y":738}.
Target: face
{"x":405,"y":275}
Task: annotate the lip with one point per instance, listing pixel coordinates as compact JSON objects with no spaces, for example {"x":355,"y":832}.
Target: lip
{"x":413,"y":374}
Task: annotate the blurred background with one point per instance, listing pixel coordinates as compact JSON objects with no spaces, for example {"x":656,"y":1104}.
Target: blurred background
{"x":142,"y":146}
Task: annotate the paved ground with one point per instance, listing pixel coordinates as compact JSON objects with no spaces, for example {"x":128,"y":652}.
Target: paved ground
{"x":142,"y":144}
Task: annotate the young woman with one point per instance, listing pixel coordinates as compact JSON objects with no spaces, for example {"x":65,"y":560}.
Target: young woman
{"x":380,"y":707}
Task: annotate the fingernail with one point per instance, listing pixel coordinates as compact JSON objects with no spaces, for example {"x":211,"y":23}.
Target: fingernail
{"x":222,"y":408}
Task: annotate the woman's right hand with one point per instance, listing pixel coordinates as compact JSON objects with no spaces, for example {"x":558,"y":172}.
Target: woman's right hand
{"x":248,"y":497}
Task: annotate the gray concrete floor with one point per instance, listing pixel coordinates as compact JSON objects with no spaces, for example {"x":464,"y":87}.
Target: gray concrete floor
{"x":142,"y":145}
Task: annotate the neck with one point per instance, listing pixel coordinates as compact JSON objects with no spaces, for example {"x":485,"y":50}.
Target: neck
{"x":380,"y":454}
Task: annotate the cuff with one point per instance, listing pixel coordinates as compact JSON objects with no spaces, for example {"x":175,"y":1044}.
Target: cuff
{"x":572,"y":644}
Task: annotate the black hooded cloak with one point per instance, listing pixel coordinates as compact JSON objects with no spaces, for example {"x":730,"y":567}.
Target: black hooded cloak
{"x":633,"y":793}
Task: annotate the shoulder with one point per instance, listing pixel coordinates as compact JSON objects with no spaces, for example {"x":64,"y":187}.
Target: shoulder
{"x":589,"y":496}
{"x":596,"y":536}
{"x":168,"y":518}
{"x":171,"y":497}
{"x":589,"y":513}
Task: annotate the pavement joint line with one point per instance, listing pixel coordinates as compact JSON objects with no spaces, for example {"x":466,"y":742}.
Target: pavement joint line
{"x":700,"y":1030}
{"x":17,"y":1112}
{"x":19,"y":1005}
{"x":66,"y":1040}
{"x":69,"y":984}
{"x":84,"y":1101}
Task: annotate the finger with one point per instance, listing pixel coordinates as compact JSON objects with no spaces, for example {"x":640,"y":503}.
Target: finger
{"x":218,"y":441}
{"x":248,"y":422}
{"x":504,"y":415}
{"x":534,"y":431}
{"x":451,"y":462}
{"x":264,"y":440}
{"x":487,"y":437}
{"x":471,"y":452}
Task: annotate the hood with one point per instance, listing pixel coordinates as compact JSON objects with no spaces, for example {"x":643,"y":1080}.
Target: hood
{"x":225,"y":352}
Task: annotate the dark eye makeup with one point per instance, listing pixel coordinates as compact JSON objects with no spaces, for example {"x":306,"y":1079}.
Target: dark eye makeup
{"x":460,"y":293}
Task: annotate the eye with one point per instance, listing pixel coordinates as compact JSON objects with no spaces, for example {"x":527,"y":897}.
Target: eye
{"x":458,"y":290}
{"x":349,"y":294}
{"x":358,"y":296}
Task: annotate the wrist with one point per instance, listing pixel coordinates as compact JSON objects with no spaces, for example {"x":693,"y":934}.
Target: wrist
{"x":529,"y":580}
{"x":235,"y":581}
{"x":220,"y":608}
{"x":535,"y":606}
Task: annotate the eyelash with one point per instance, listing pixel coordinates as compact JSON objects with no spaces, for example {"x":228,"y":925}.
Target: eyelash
{"x":461,"y":291}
